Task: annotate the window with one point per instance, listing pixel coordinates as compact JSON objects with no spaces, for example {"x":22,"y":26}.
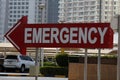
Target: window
{"x":19,"y":3}
{"x":18,"y":7}
{"x":106,"y":7}
{"x":86,"y":18}
{"x":26,"y":7}
{"x":27,"y":3}
{"x":92,"y":18}
{"x":115,"y":8}
{"x":14,"y":15}
{"x":14,"y":7}
{"x":28,"y":58}
{"x":23,"y":7}
{"x":23,"y":3}
{"x":105,"y":17}
{"x":14,"y":11}
{"x":114,"y":2}
{"x":11,"y":7}
{"x":11,"y":57}
{"x":18,"y":16}
{"x":15,"y":3}
{"x":22,"y":11}
{"x":11,"y":3}
{"x":26,"y":11}
{"x":106,"y":2}
{"x":22,"y":57}
{"x":81,"y":3}
{"x":92,"y":2}
{"x":106,"y":12}
{"x":10,"y":11}
{"x":86,"y":3}
{"x":10,"y":20}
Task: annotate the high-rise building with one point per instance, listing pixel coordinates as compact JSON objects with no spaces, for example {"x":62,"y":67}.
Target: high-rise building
{"x":12,"y":10}
{"x":52,"y":11}
{"x":88,"y":10}
{"x":3,"y":17}
{"x":38,"y":11}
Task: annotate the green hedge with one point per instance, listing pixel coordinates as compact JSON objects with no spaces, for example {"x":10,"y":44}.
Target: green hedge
{"x":49,"y":64}
{"x":52,"y":70}
{"x":62,"y":59}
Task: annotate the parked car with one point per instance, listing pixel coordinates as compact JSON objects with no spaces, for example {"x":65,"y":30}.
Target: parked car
{"x":20,"y":62}
{"x":1,"y":64}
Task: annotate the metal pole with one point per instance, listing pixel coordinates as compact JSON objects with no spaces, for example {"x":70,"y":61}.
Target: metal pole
{"x":99,"y":50}
{"x":118,"y":58}
{"x":41,"y":50}
{"x":36,"y":62}
{"x":100,"y":11}
{"x":99,"y":66}
{"x":38,"y":59}
{"x":85,"y":65}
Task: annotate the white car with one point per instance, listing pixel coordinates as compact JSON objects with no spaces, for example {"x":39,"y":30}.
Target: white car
{"x":18,"y":62}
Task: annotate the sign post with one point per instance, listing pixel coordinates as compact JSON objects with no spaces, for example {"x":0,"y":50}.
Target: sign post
{"x":118,"y":58}
{"x":85,"y":65}
{"x":99,"y":50}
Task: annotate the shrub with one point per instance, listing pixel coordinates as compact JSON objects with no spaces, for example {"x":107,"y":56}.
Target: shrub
{"x":49,"y":64}
{"x":62,"y":59}
{"x":52,"y":70}
{"x":47,"y":70}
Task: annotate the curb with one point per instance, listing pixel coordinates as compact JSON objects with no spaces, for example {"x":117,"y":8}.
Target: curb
{"x":27,"y":75}
{"x":12,"y":75}
{"x":60,"y":76}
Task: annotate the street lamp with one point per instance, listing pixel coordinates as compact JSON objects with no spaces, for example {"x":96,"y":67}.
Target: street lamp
{"x":39,"y":58}
{"x":41,"y":7}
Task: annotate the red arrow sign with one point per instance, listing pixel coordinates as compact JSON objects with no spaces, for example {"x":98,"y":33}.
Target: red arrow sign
{"x":76,"y":35}
{"x":16,"y":34}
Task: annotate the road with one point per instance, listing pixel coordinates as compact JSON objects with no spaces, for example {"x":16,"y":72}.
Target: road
{"x":30,"y":78}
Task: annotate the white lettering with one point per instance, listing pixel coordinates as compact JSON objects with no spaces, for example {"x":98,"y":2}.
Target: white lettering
{"x":54,"y":35}
{"x":28,"y":35}
{"x":102,"y":34}
{"x":73,"y":35}
{"x":82,"y":35}
{"x":37,"y":35}
{"x":92,"y":41}
{"x":46,"y":35}
{"x":64,"y":36}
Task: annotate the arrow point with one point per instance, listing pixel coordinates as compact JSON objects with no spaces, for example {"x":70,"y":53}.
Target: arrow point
{"x":15,"y":30}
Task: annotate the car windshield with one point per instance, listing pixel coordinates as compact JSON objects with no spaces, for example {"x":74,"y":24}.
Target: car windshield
{"x":11,"y":57}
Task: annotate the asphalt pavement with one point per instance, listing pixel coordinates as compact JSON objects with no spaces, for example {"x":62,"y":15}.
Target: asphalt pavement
{"x":30,"y":78}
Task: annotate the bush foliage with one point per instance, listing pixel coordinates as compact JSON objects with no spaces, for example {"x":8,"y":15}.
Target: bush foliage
{"x":62,"y":59}
{"x":49,"y":64}
{"x":52,"y":70}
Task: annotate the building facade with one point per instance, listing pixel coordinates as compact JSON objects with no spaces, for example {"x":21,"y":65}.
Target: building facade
{"x":3,"y":17}
{"x":12,"y":10}
{"x":52,"y":11}
{"x":88,"y":10}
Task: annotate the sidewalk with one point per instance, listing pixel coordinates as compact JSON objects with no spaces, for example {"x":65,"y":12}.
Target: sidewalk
{"x":30,"y":78}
